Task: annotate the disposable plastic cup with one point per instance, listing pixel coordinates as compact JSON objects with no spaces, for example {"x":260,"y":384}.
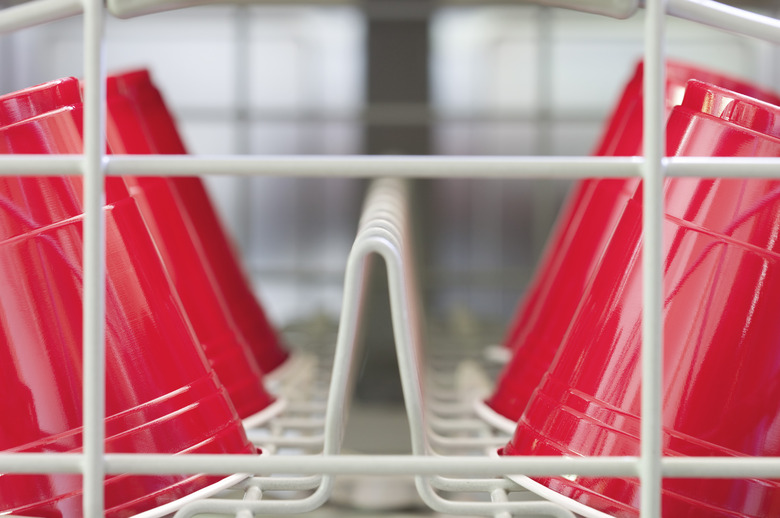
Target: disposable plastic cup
{"x":596,"y":207}
{"x":161,"y":395}
{"x":207,"y":230}
{"x":575,"y":247}
{"x":721,"y":294}
{"x":224,"y":347}
{"x":185,"y":259}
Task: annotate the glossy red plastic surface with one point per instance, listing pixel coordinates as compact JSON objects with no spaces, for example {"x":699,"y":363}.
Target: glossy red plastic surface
{"x":581,"y":234}
{"x":185,"y":261}
{"x":229,"y":355}
{"x":18,"y":106}
{"x":218,"y":251}
{"x":161,"y":394}
{"x":721,"y":331}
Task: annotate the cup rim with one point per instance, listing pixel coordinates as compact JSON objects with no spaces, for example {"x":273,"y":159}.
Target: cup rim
{"x":202,"y":493}
{"x":552,"y":495}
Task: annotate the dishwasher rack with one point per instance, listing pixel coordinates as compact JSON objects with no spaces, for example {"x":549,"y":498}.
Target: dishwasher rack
{"x":449,"y":441}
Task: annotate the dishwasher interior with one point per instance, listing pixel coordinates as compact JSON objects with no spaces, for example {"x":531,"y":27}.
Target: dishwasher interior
{"x":409,"y":316}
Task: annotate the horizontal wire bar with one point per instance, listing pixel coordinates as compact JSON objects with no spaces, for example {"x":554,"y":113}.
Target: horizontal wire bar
{"x":458,"y":485}
{"x":359,"y":166}
{"x":378,"y":166}
{"x":721,"y":467}
{"x":40,"y":165}
{"x":726,"y":17}
{"x":41,"y":462}
{"x":133,"y":8}
{"x":710,"y":13}
{"x":723,"y":167}
{"x":37,"y":12}
{"x":439,"y":166}
{"x":370,"y":465}
{"x":673,"y":467}
{"x":707,"y":12}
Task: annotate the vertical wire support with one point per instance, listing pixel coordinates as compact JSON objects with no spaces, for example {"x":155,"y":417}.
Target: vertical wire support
{"x":654,"y":139}
{"x":242,"y":62}
{"x":94,"y":260}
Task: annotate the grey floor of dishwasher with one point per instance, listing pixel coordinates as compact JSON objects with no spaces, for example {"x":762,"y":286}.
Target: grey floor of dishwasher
{"x":380,"y":429}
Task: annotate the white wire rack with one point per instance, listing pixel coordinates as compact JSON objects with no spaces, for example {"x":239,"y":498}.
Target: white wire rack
{"x":449,"y":441}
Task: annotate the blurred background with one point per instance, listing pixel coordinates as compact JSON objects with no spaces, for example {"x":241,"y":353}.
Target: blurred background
{"x":386,"y":77}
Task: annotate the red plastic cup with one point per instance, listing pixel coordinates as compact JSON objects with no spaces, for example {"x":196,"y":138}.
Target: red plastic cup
{"x":722,"y":290}
{"x":207,"y":231}
{"x":161,"y":394}
{"x":228,"y":353}
{"x":185,"y":260}
{"x":576,"y":245}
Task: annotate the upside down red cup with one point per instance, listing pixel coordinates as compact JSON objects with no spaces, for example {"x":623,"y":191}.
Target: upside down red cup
{"x":574,"y":249}
{"x":224,"y":347}
{"x":207,"y":231}
{"x":161,"y":394}
{"x":185,"y":259}
{"x":721,"y":332}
